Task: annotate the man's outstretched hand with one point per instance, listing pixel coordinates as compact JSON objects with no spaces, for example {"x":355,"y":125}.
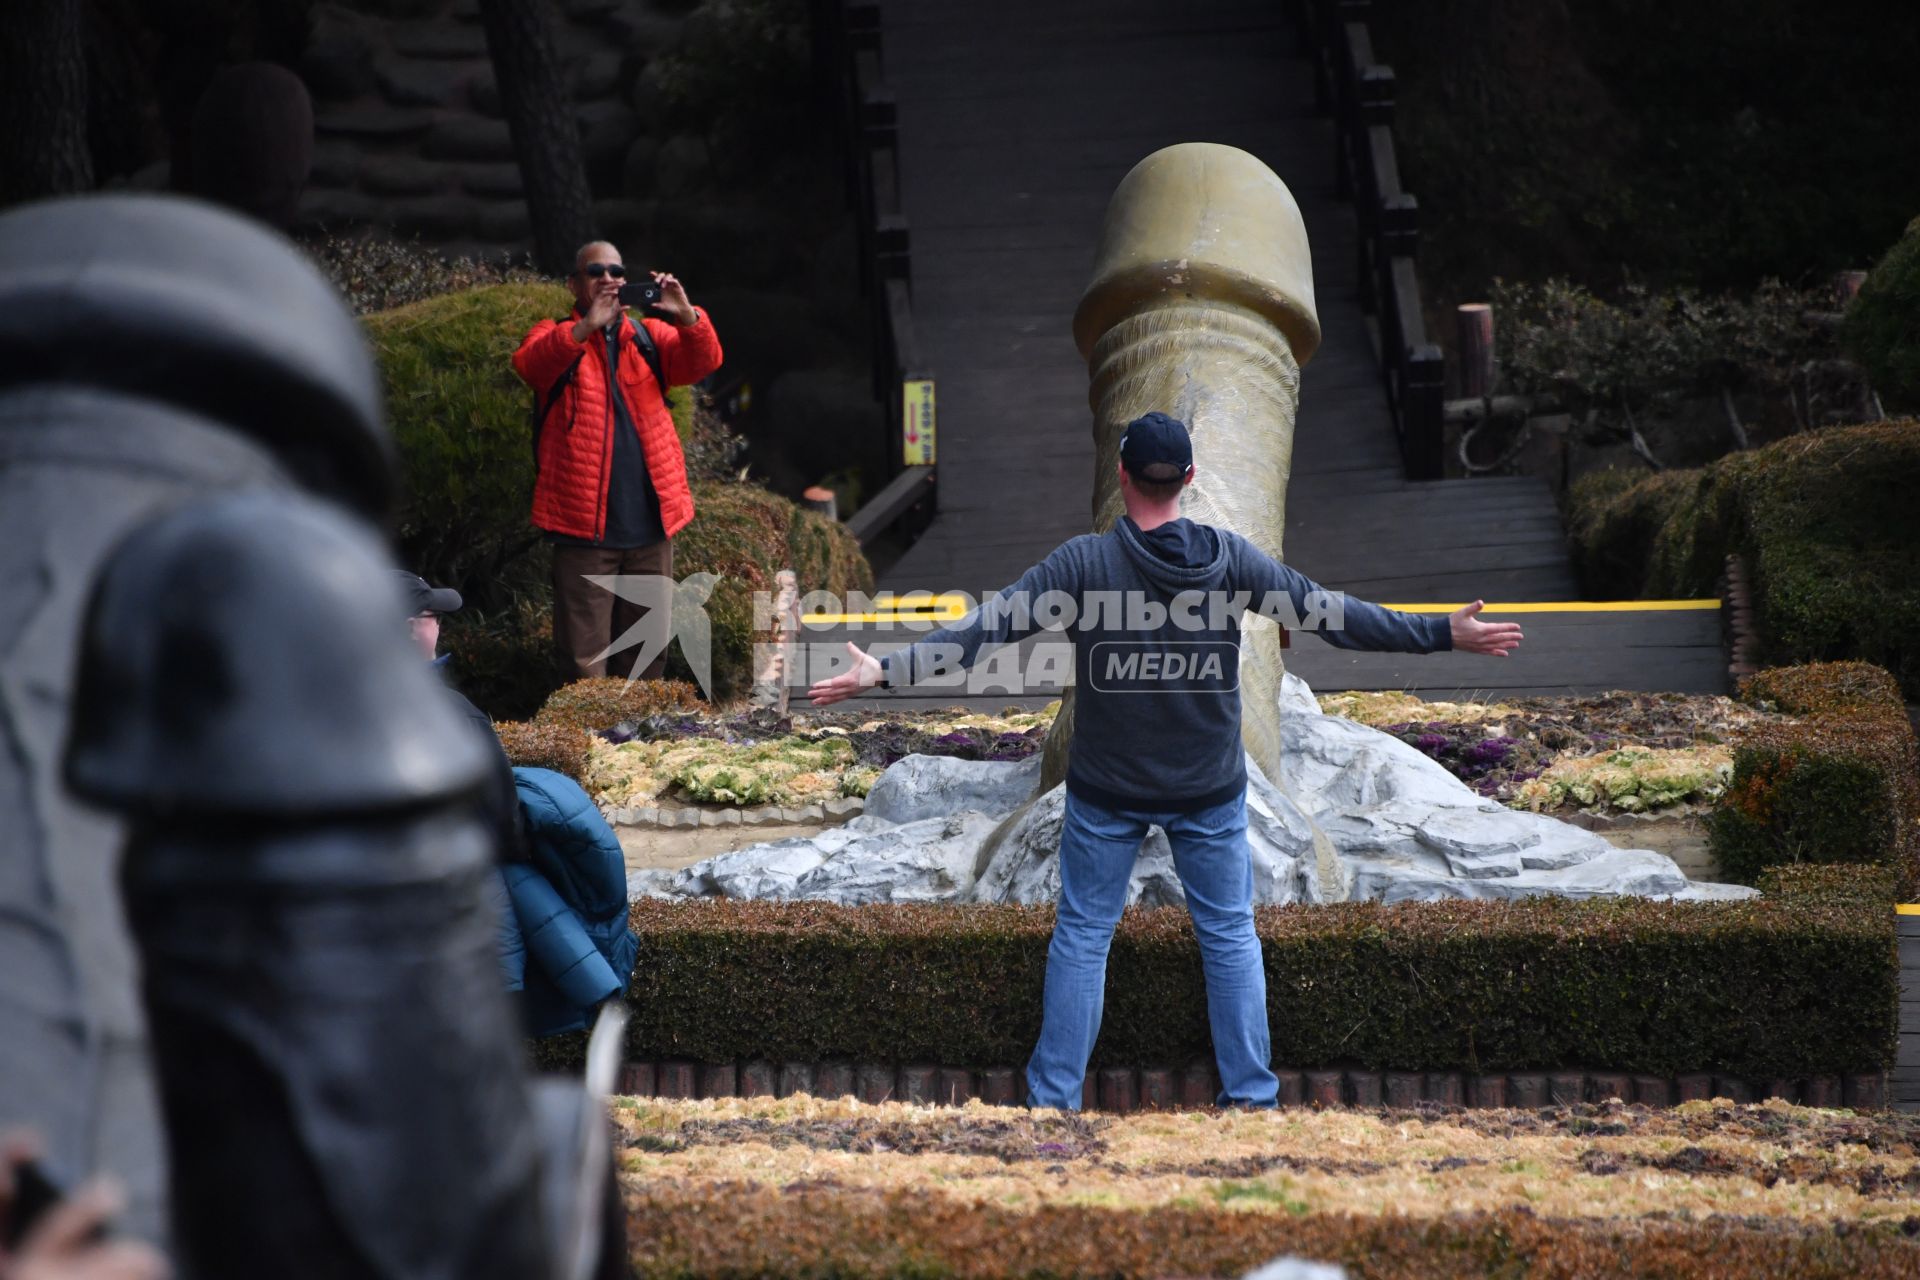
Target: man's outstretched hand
{"x":863,"y":675}
{"x":1470,"y":635}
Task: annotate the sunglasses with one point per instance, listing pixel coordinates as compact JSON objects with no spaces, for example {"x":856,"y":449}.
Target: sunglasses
{"x":598,"y":269}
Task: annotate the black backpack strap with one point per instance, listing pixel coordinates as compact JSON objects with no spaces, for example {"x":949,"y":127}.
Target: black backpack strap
{"x":651,"y":354}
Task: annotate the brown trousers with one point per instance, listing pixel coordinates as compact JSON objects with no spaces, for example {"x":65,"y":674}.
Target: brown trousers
{"x":589,"y":618}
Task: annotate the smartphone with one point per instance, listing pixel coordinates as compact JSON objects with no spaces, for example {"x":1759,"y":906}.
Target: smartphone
{"x":34,"y":1193}
{"x":640,"y":293}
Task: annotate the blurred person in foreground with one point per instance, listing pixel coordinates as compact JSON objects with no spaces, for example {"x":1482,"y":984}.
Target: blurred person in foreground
{"x":610,"y":486}
{"x":1156,"y":740}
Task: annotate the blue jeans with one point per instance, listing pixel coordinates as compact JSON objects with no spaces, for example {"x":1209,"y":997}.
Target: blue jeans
{"x":1097,"y":849}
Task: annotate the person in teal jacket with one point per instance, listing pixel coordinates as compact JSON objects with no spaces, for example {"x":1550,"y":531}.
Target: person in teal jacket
{"x":565,"y":947}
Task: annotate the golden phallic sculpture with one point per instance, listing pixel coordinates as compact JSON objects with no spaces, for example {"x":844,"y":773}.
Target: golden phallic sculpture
{"x":1201,"y":306}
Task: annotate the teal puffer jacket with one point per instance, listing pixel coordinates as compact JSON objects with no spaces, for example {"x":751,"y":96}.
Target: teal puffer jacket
{"x":564,"y":939}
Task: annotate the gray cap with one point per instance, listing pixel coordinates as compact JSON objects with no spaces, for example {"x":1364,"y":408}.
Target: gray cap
{"x":422,"y":598}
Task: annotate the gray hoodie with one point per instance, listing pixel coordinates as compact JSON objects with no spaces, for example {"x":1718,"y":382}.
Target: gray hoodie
{"x":1154,"y":618}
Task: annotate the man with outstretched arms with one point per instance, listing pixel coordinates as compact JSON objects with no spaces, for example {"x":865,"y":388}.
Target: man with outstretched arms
{"x":1153,"y":607}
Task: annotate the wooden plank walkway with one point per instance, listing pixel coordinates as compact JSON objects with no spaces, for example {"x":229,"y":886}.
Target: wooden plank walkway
{"x":1017,"y":120}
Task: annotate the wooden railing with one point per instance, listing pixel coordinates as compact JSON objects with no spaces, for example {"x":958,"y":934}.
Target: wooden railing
{"x":1359,"y":93}
{"x":851,"y":62}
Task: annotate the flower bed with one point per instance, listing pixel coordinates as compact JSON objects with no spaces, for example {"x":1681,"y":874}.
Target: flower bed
{"x":760,"y":757}
{"x":799,"y":1187}
{"x":1614,"y":752}
{"x":1631,"y":779}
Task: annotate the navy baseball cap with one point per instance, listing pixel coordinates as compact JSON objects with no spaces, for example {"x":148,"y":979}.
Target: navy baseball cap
{"x":422,"y":598}
{"x":1156,"y":438}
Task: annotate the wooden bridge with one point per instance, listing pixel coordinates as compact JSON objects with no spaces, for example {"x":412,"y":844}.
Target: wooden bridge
{"x":1016,"y":119}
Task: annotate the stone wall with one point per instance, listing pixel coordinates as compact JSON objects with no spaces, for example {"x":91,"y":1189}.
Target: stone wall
{"x":410,"y":141}
{"x":410,"y":136}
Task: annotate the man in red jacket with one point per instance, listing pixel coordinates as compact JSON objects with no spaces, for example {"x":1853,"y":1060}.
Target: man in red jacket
{"x":611,"y":489}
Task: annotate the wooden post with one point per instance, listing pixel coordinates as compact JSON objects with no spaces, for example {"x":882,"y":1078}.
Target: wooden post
{"x":770,"y":682}
{"x":822,"y":499}
{"x":1422,"y":390}
{"x":1473,"y":337}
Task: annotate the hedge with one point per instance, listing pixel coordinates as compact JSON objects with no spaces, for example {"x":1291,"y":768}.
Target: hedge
{"x":1825,"y":521}
{"x":1613,"y":521}
{"x":1882,"y":326}
{"x":1857,"y":882}
{"x":1839,"y":785}
{"x":546,"y":744}
{"x":601,"y":704}
{"x":1759,"y":989}
{"x":817,"y":1231}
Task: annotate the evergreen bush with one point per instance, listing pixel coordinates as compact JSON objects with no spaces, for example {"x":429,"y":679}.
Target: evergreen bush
{"x":1882,"y":327}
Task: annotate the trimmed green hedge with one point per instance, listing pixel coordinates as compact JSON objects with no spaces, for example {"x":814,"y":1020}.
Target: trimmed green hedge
{"x":1840,"y":785}
{"x":1614,"y":518}
{"x":1867,"y":884}
{"x":1759,"y":989}
{"x":1882,"y":329}
{"x":1825,"y":521}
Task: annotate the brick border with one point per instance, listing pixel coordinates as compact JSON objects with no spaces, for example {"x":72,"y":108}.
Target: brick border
{"x":1126,"y":1089}
{"x":1743,"y":637}
{"x":687,"y":817}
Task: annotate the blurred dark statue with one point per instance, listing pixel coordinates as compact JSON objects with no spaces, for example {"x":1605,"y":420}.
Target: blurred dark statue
{"x":333,"y":1040}
{"x":253,"y":141}
{"x":151,"y":351}
{"x":190,"y":419}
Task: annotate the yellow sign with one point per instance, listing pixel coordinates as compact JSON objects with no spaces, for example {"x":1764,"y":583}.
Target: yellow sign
{"x":916,"y":420}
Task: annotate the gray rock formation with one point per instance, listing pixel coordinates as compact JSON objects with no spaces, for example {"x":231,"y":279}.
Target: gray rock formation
{"x":1356,"y":813}
{"x":928,"y":786}
{"x":865,"y":860}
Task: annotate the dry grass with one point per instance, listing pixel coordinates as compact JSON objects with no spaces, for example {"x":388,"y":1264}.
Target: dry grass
{"x":1611,"y":1161}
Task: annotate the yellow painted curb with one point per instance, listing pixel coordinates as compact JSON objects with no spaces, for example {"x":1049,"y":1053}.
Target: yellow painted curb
{"x":927,"y":607}
{"x":1907,"y":908}
{"x":915,"y":606}
{"x":1565,"y":606}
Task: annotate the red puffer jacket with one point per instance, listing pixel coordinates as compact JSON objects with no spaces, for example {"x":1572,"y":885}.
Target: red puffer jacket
{"x":576,"y":442}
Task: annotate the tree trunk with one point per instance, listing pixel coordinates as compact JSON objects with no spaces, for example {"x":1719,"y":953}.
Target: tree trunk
{"x":538,"y":105}
{"x":43,"y":99}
